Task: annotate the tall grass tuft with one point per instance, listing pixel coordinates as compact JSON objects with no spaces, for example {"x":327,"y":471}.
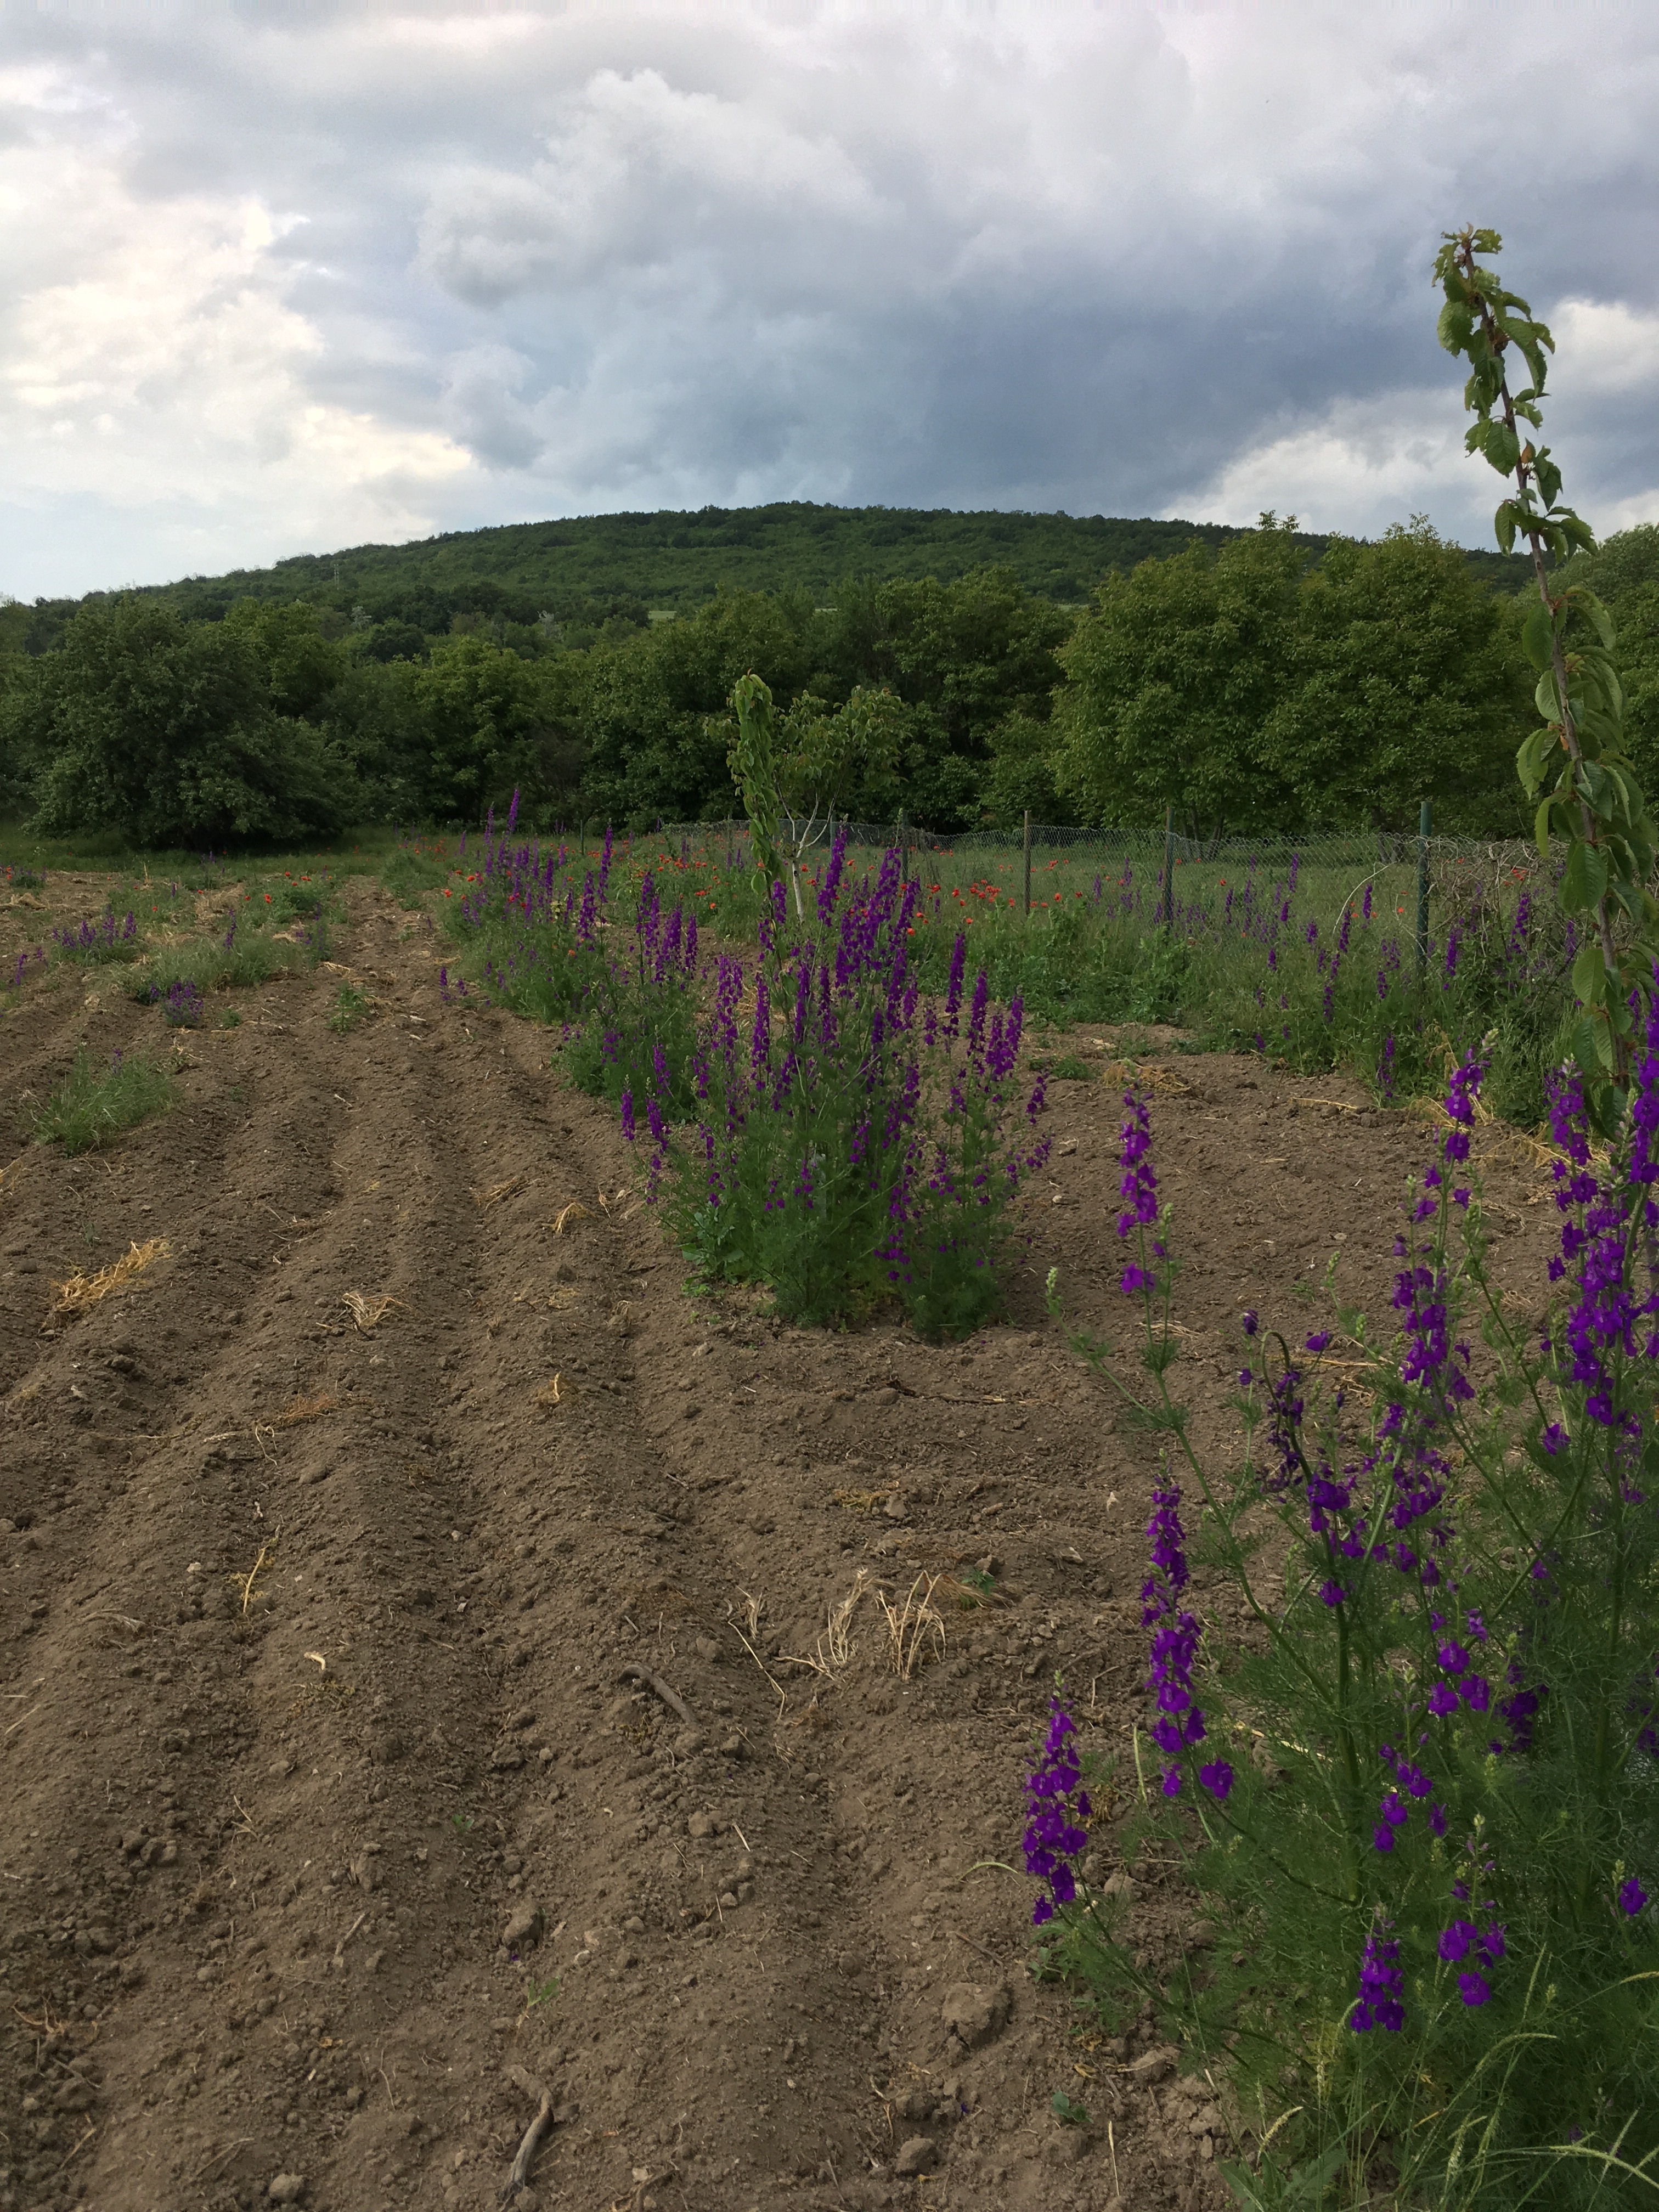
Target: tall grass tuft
{"x":93,"y":1106}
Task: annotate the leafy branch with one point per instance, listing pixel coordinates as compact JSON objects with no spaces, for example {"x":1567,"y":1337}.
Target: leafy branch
{"x":1595,"y":802}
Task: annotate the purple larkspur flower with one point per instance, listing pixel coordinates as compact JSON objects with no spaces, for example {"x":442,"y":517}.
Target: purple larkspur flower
{"x":1139,"y":1186}
{"x":1382,"y":1984}
{"x":1056,"y":1805}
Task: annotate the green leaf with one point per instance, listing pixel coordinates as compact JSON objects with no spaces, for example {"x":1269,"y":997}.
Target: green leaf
{"x":1455,"y":324}
{"x":1549,"y":477}
{"x":1583,"y":881}
{"x":1502,"y":448}
{"x":1592,"y":1047}
{"x":1593,"y":788}
{"x":1504,"y":524}
{"x":1535,"y":750}
{"x":1538,"y":635}
{"x":1541,"y":828}
{"x":1546,"y":699}
{"x":1582,"y":600}
{"x":1589,"y":976}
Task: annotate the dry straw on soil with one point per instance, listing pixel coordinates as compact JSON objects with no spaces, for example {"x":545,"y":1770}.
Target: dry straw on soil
{"x":305,"y":1409}
{"x":78,"y":1293}
{"x":368,"y":1313}
{"x":915,"y":1629}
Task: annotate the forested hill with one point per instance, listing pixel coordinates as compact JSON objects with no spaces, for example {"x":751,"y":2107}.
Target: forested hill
{"x":672,"y":561}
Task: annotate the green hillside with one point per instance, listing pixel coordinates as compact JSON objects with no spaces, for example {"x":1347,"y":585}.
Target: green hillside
{"x":672,"y":561}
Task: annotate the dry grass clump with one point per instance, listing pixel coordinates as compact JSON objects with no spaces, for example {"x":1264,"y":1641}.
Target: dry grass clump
{"x":368,"y":1313}
{"x":835,"y":1650}
{"x":78,"y":1292}
{"x":484,"y":1199}
{"x":574,"y":1211}
{"x":915,"y":1629}
{"x":554,"y":1393}
{"x":1146,"y":1075}
{"x":859,"y":1501}
{"x":305,"y":1409}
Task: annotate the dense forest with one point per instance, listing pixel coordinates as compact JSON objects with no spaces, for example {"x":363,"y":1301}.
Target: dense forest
{"x":961,"y":667}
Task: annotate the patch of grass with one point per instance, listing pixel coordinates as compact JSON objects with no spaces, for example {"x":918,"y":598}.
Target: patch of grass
{"x":408,"y":873}
{"x":350,"y":1005}
{"x":90,"y":1107}
{"x":211,"y":965}
{"x":1071,"y":1069}
{"x":22,"y":879}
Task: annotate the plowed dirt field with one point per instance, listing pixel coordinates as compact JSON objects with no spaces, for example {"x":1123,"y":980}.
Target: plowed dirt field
{"x":407,"y":1728}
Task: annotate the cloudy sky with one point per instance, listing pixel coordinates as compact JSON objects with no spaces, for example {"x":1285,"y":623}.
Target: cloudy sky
{"x":280,"y":277}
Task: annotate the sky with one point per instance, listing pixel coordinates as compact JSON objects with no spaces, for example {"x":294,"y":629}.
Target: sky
{"x":286,"y":278}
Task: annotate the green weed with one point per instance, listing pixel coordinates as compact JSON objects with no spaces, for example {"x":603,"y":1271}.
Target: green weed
{"x":350,"y":1005}
{"x":90,"y":1108}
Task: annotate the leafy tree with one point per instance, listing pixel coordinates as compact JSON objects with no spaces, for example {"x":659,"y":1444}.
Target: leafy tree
{"x":163,"y":729}
{"x":1174,"y":673}
{"x":1253,"y":693}
{"x":378,"y":726}
{"x":1019,"y":779}
{"x":485,"y":723}
{"x":963,"y":656}
{"x":301,"y":665}
{"x":1638,"y":614}
{"x":1406,"y":681}
{"x":655,"y":710}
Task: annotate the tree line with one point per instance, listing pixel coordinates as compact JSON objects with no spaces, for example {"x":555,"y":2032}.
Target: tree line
{"x":1254,"y":684}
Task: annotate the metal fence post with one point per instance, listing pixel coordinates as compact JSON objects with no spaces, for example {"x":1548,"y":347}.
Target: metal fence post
{"x":1168,"y":916}
{"x":1028,"y":863}
{"x":1425,"y":825}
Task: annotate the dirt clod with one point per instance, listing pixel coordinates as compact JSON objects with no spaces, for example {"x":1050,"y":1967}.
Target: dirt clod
{"x":524,"y":1928}
{"x":975,"y":2013}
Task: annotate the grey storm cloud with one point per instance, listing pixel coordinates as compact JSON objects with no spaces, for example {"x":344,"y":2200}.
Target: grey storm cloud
{"x":284,"y":277}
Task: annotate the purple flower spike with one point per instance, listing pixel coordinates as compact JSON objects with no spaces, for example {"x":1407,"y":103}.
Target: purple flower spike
{"x":1631,"y":1898}
{"x":1138,"y":1188}
{"x":1056,"y":1806}
{"x":1381,"y":1985}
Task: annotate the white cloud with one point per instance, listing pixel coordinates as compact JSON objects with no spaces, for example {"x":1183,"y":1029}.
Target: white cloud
{"x":160,"y":372}
{"x":636,"y":172}
{"x":1603,"y":346}
{"x":1361,"y":465}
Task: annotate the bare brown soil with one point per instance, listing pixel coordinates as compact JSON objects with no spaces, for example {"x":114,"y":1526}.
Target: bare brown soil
{"x":347,"y":1809}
